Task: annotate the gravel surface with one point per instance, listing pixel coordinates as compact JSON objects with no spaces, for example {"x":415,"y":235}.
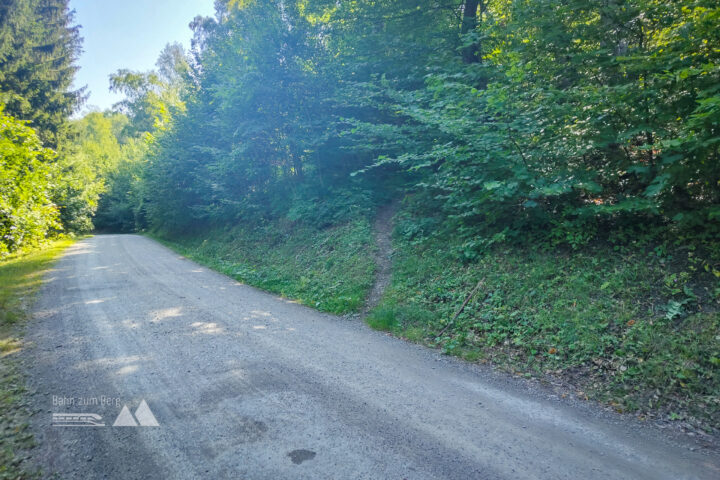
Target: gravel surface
{"x":244,"y":384}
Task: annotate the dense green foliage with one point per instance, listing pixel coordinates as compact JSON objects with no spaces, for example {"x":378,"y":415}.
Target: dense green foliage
{"x":514,"y":120}
{"x":51,"y":181}
{"x":26,"y":209}
{"x":581,"y":116}
{"x":112,"y":163}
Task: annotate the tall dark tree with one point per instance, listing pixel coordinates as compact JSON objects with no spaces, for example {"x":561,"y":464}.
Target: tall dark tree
{"x":472,"y":52}
{"x":39,"y":44}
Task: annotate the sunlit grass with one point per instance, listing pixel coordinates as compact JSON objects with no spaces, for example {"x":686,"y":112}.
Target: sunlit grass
{"x":9,"y":345}
{"x":20,"y":276}
{"x":329,"y":269}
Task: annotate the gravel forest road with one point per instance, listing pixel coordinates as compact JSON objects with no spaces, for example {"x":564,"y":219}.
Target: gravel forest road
{"x":244,"y":384}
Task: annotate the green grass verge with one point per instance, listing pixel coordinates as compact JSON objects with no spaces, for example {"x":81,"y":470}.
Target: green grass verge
{"x":20,"y":277}
{"x":637,"y":328}
{"x":330,"y":269}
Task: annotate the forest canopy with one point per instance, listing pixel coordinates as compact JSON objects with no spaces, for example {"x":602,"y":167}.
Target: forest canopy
{"x":499,"y":120}
{"x":559,"y":118}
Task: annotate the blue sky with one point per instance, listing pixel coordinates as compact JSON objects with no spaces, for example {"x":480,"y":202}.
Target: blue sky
{"x":128,"y":34}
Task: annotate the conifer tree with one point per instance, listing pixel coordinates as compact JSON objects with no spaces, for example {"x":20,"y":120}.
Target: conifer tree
{"x":39,"y":44}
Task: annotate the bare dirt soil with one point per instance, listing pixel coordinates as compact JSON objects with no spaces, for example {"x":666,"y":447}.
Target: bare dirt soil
{"x":382,"y":230}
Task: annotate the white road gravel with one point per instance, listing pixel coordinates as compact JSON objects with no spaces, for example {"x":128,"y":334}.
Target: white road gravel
{"x":246,"y":385}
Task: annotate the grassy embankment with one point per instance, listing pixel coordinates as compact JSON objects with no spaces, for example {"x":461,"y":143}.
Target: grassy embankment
{"x":634,"y":326}
{"x":330,"y":269}
{"x":20,"y":277}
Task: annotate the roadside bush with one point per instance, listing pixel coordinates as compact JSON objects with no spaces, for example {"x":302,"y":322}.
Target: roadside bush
{"x":27,"y":213}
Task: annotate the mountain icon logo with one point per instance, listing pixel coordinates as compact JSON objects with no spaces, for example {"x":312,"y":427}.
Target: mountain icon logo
{"x":143,"y":414}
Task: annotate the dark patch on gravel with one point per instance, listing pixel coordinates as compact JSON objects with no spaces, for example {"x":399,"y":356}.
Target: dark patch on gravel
{"x":299,"y":456}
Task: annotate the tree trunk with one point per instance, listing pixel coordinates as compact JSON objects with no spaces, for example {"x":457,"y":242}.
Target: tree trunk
{"x":471,"y":53}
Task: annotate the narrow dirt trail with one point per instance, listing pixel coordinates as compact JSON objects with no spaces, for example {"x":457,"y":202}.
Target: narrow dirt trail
{"x":244,"y":384}
{"x":382,"y":231}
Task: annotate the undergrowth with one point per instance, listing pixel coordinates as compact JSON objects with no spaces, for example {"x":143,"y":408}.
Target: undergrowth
{"x":330,"y":269}
{"x":636,"y":326}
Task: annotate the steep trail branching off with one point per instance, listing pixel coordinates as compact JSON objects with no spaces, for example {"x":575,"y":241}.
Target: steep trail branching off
{"x":382,"y":232}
